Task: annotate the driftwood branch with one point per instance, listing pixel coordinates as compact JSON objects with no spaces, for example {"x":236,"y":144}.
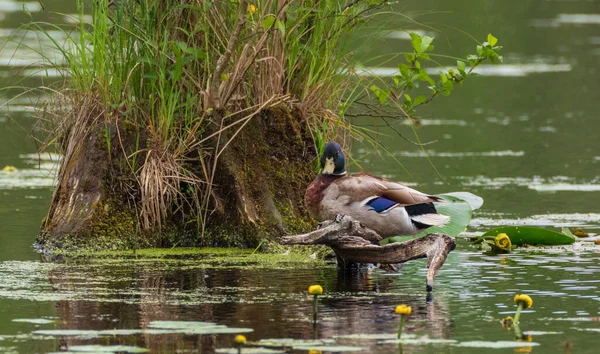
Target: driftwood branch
{"x":353,"y":242}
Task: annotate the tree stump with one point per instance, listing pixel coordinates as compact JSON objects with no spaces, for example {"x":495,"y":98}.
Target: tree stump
{"x":353,"y":242}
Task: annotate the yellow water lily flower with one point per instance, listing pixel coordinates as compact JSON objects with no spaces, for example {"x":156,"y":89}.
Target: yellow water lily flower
{"x":9,"y":168}
{"x":314,"y":351}
{"x":507,"y":322}
{"x":239,"y":339}
{"x":315,"y":290}
{"x":524,"y":300}
{"x":502,"y":241}
{"x":252,"y":9}
{"x":403,"y":310}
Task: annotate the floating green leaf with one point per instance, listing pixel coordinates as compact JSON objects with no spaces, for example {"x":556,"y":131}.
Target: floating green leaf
{"x":496,"y":344}
{"x":372,"y":336}
{"x":332,"y":348}
{"x":521,"y":235}
{"x":195,"y":327}
{"x":96,"y":348}
{"x":293,"y":342}
{"x":258,"y":350}
{"x":326,"y":345}
{"x":459,"y":211}
{"x":420,"y":341}
{"x":38,"y":321}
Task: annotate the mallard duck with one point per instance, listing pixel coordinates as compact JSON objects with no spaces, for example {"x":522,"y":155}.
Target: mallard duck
{"x":387,"y":207}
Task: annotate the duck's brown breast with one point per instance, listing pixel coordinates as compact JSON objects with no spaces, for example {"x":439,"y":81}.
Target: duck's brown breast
{"x":314,"y":193}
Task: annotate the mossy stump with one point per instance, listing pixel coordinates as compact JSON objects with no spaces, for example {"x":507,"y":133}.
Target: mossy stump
{"x":258,"y":188}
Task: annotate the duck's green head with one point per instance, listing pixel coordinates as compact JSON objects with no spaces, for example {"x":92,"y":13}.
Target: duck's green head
{"x":332,"y":160}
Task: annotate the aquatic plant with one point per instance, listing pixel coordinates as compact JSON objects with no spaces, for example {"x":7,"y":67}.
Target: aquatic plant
{"x":315,"y":290}
{"x":527,"y":235}
{"x":402,"y":310}
{"x":523,"y":302}
{"x":170,"y":87}
{"x":498,"y":244}
{"x":239,"y":341}
{"x":165,"y":97}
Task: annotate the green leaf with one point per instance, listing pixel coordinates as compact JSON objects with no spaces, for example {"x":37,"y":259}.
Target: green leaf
{"x":281,"y":27}
{"x":381,"y":94}
{"x":268,"y":22}
{"x":407,"y":96}
{"x":456,"y":208}
{"x":443,"y":77}
{"x":423,"y":76}
{"x":461,"y":65}
{"x":521,"y":235}
{"x":492,"y":40}
{"x":419,"y":100}
{"x":416,"y":42}
{"x":425,"y":43}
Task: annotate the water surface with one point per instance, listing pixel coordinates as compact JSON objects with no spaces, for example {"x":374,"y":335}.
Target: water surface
{"x":523,"y":136}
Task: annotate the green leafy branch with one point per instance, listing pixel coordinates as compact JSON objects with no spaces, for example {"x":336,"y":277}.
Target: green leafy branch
{"x":411,"y":74}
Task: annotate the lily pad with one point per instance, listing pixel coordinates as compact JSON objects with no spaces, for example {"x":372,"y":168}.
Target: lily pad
{"x":96,"y":348}
{"x":540,"y":333}
{"x":293,"y":342}
{"x":474,"y":201}
{"x":196,"y":327}
{"x":180,"y":324}
{"x":38,"y":321}
{"x":521,"y":235}
{"x":248,"y":351}
{"x":372,"y":336}
{"x":456,"y":208}
{"x":496,"y":344}
{"x":327,"y":345}
{"x":332,"y":348}
{"x":420,"y":341}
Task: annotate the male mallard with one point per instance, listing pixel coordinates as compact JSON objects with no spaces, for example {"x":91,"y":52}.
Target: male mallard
{"x":386,"y":207}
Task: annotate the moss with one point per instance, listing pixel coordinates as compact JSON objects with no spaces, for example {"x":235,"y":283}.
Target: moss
{"x":262,"y":177}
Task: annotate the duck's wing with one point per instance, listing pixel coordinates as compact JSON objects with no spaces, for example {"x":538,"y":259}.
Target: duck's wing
{"x":381,"y":193}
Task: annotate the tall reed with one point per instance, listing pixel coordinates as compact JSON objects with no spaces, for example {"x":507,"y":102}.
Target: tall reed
{"x":189,"y":75}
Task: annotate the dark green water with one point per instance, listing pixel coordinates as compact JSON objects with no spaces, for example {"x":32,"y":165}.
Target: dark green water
{"x":524,"y":137}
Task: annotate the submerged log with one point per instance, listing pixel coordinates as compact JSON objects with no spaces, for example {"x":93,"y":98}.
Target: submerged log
{"x":353,"y":242}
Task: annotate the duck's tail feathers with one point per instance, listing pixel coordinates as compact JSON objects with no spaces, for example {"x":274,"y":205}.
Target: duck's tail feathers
{"x":431,"y":219}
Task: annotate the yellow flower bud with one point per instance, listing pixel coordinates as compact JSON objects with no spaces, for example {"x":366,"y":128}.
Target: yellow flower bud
{"x":523,"y":299}
{"x":251,"y":8}
{"x":239,"y":340}
{"x":403,"y":310}
{"x":315,"y":290}
{"x":502,"y":241}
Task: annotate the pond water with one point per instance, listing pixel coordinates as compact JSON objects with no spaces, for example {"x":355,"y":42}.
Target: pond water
{"x":524,"y":136}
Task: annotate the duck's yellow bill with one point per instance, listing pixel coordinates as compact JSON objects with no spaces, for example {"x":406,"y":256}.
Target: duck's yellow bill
{"x":329,"y":166}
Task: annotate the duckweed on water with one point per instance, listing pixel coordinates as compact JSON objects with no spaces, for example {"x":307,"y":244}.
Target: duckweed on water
{"x":231,"y":257}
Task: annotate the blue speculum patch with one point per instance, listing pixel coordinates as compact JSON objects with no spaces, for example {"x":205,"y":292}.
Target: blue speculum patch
{"x":381,"y":204}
